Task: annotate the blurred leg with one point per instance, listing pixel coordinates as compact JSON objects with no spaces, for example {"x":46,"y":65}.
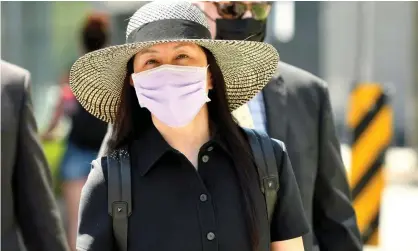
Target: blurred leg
{"x":74,"y":171}
{"x":72,"y":191}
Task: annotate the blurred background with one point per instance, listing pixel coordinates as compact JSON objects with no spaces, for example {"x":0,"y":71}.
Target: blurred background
{"x":341,"y":42}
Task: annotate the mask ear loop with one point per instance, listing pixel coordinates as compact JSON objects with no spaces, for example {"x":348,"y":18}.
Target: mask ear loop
{"x":207,"y":71}
{"x":209,"y":89}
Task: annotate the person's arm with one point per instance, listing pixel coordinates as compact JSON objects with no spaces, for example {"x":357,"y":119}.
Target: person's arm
{"x":295,"y":244}
{"x":289,"y":222}
{"x":36,"y":210}
{"x":95,"y":224}
{"x":58,"y":112}
{"x":334,"y":219}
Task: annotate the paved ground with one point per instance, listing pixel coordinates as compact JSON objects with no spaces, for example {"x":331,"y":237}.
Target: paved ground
{"x":399,"y":219}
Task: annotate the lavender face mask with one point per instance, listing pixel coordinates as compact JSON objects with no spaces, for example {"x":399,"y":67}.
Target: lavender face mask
{"x":173,"y":94}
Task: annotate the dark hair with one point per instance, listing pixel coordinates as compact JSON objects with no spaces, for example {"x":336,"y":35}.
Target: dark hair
{"x":94,"y":34}
{"x":130,"y":115}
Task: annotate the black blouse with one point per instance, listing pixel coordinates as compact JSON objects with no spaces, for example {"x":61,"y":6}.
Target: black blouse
{"x":178,"y":208}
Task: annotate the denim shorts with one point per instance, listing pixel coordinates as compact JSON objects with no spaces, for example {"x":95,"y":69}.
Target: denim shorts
{"x":76,"y":162}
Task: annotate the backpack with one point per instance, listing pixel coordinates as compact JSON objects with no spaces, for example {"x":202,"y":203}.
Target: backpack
{"x":119,"y":182}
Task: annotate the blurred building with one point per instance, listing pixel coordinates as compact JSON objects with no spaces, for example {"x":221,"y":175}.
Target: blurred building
{"x":325,"y":38}
{"x":43,"y":38}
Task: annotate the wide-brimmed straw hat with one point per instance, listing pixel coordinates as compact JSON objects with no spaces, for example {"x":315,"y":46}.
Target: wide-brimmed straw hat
{"x":97,"y":78}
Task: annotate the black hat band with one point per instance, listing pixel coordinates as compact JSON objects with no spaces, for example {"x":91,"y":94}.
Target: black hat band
{"x":169,"y":29}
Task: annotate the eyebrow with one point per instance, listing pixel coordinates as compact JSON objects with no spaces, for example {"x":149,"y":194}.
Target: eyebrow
{"x":181,"y":45}
{"x":145,"y":51}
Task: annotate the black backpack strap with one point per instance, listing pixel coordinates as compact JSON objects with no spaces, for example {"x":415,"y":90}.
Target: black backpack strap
{"x":265,"y":159}
{"x":119,"y":195}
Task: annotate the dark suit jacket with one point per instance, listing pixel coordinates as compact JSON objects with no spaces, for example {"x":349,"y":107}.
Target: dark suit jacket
{"x":27,"y":202}
{"x":299,"y":113}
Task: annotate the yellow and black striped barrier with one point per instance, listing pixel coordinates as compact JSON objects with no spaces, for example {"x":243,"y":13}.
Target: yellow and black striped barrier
{"x":370,"y":120}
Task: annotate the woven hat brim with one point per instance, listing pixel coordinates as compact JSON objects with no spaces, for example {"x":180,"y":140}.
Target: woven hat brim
{"x":97,"y":78}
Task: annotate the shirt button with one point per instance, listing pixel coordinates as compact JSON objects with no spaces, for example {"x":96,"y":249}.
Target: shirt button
{"x":210,"y":236}
{"x":203,"y":197}
{"x":210,"y":148}
{"x":205,"y":158}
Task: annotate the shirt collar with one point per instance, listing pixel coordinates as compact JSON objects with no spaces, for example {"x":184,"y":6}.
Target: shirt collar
{"x":150,"y":146}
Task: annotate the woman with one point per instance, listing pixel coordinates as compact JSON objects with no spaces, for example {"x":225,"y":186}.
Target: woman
{"x":194,"y":183}
{"x":87,"y":131}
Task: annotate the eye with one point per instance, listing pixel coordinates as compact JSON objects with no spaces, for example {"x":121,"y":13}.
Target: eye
{"x":182,"y":56}
{"x":151,"y":62}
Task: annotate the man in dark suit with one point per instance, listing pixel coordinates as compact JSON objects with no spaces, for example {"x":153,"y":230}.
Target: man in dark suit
{"x":28,"y":208}
{"x":295,"y":108}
